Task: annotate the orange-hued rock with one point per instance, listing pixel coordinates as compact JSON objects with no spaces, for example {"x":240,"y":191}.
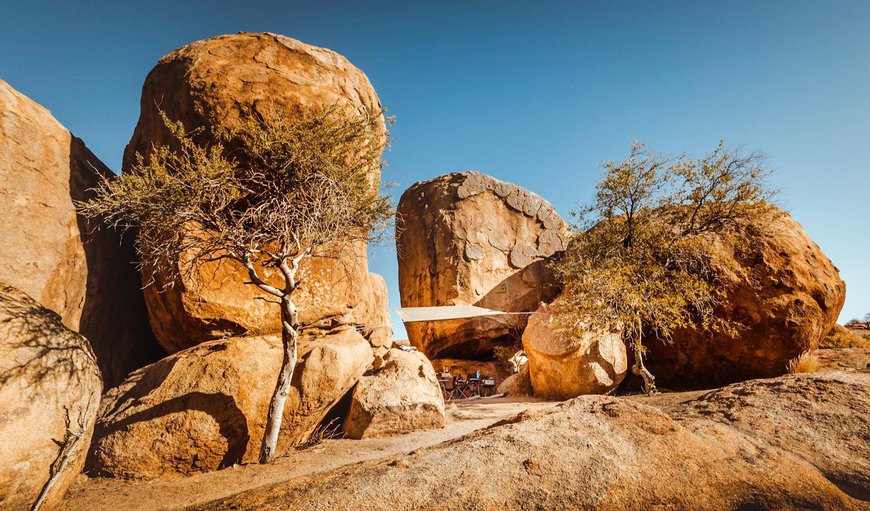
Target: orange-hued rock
{"x":401,"y":394}
{"x":51,"y":253}
{"x":565,"y":362}
{"x":209,"y":84}
{"x":48,"y":375}
{"x":204,"y":408}
{"x":592,"y":452}
{"x":782,"y":292}
{"x":467,"y":238}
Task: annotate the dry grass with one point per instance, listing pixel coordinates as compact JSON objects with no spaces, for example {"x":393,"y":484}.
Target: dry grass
{"x":807,"y":362}
{"x":842,"y":337}
{"x":331,"y":429}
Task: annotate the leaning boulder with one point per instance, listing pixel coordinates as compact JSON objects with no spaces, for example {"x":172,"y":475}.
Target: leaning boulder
{"x":781,"y":292}
{"x":210,"y":84}
{"x":467,"y":238}
{"x":50,"y":389}
{"x":51,"y":253}
{"x":567,"y":361}
{"x":205,"y":408}
{"x":399,"y":396}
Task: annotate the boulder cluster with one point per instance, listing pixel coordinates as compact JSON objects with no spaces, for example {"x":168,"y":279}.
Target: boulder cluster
{"x":189,"y":365}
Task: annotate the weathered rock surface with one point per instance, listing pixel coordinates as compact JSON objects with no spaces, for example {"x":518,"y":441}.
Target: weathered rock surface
{"x":820,"y":417}
{"x":842,"y":337}
{"x":205,"y":408}
{"x":844,"y":359}
{"x":567,"y":362}
{"x":467,"y":238}
{"x":209,"y":84}
{"x":400,"y":395}
{"x":593,"y":452}
{"x":51,"y":253}
{"x":779,"y":287}
{"x":48,"y":375}
{"x":519,"y":384}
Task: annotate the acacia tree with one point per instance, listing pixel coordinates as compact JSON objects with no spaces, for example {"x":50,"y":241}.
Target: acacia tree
{"x":639,"y":258}
{"x":267,"y":194}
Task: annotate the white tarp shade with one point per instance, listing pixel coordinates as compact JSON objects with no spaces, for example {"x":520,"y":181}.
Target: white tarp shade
{"x":410,"y":314}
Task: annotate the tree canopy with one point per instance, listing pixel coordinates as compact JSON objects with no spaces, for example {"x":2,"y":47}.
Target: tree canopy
{"x":638,"y":258}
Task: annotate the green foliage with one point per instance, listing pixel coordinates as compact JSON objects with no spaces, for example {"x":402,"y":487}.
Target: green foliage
{"x":271,"y":190}
{"x":639,"y":258}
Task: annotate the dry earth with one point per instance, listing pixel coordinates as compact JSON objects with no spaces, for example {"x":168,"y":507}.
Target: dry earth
{"x":103,"y":494}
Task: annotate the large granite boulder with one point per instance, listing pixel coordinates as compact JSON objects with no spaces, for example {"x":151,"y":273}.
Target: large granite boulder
{"x":467,"y":238}
{"x":210,"y":84}
{"x":50,"y":389}
{"x":400,"y":395}
{"x":780,"y":290}
{"x":51,"y":253}
{"x":204,"y":408}
{"x":566,"y":361}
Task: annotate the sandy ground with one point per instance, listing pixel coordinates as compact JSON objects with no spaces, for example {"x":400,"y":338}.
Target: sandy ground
{"x":99,"y":494}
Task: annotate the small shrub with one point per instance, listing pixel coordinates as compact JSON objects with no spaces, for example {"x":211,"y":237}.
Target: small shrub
{"x":807,"y":362}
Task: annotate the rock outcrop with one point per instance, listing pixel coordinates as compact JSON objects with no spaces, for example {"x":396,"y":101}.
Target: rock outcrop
{"x":518,"y":384}
{"x":467,"y":238}
{"x":782,"y":292}
{"x":50,"y":386}
{"x":593,"y":452}
{"x":565,"y":362}
{"x":400,"y":395}
{"x":210,"y":84}
{"x":205,"y":408}
{"x":821,"y":417}
{"x":51,"y":253}
{"x":842,"y":337}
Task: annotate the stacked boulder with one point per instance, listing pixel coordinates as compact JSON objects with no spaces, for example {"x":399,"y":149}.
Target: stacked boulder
{"x":467,"y":238}
{"x":212,"y":84}
{"x":204,"y":407}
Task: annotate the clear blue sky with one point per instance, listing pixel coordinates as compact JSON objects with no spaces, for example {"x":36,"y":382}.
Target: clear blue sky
{"x":536,"y":93}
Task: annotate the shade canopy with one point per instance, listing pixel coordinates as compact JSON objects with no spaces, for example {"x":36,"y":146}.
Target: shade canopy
{"x":441,"y":313}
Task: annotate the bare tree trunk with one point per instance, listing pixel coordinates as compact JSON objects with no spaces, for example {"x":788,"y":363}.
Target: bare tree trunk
{"x":289,"y":339}
{"x":68,"y":445}
{"x":649,"y":381}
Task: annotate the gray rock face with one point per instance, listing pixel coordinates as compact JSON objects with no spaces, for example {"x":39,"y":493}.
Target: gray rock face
{"x":467,"y":238}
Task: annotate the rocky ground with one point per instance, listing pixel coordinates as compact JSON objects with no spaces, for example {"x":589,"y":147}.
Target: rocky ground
{"x":792,"y":442}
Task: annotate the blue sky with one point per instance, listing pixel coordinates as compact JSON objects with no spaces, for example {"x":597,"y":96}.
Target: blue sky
{"x":535,"y":93}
